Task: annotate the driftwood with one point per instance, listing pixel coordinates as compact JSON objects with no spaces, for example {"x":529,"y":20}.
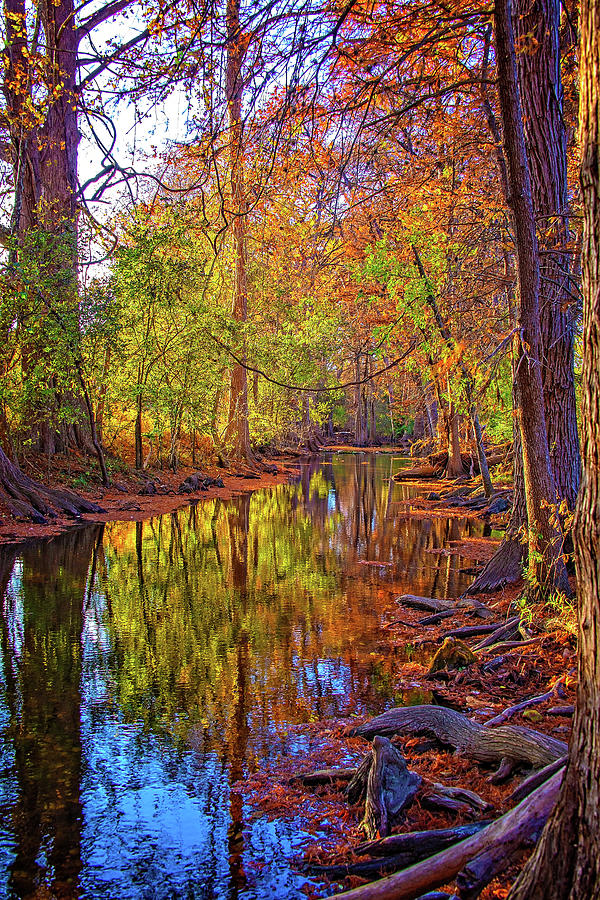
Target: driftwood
{"x":518,"y":828}
{"x":391,"y":787}
{"x":517,"y":745}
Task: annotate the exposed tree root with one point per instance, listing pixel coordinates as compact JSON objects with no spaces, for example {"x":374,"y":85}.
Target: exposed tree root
{"x":529,"y":784}
{"x":557,"y":689}
{"x":456,"y":799}
{"x":402,"y":850}
{"x":468,"y":631}
{"x":505,"y":567}
{"x":516,"y":830}
{"x":517,"y":745}
{"x":507,"y":632}
{"x":419,"y":843}
{"x":390,"y":788}
{"x":28,"y":499}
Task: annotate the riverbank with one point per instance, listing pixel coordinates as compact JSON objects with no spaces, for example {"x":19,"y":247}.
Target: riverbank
{"x":132,"y":496}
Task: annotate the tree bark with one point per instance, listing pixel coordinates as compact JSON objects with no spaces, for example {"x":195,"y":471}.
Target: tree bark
{"x":238,"y":431}
{"x":546,"y":569}
{"x":566,"y":863}
{"x":537,"y":30}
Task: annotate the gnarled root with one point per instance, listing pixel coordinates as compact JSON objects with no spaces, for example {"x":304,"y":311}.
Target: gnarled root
{"x":519,"y":828}
{"x":390,"y":788}
{"x":518,"y":745}
{"x":26,"y":498}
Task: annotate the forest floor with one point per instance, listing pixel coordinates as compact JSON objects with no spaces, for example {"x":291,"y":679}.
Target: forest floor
{"x":129,"y":498}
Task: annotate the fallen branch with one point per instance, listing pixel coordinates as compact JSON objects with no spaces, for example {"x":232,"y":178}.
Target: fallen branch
{"x":520,"y":827}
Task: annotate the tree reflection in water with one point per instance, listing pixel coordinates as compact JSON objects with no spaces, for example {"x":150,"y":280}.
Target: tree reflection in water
{"x":148,"y":667}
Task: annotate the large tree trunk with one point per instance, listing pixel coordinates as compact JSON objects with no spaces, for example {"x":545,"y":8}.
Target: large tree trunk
{"x":546,"y":570}
{"x":537,"y":26}
{"x":238,"y":431}
{"x":566,"y":863}
{"x":44,"y":159}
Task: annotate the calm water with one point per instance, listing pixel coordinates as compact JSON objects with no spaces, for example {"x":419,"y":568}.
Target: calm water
{"x":148,"y":667}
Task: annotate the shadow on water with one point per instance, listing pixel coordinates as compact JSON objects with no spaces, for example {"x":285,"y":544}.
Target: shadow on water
{"x":147,"y":668}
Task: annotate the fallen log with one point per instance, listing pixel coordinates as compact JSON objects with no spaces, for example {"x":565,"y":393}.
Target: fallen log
{"x":518,"y":828}
{"x":518,"y":745}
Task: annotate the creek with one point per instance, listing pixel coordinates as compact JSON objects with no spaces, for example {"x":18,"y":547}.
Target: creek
{"x":147,"y":668}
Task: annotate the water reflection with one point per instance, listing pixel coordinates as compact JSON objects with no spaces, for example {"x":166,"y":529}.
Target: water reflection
{"x":148,"y":667}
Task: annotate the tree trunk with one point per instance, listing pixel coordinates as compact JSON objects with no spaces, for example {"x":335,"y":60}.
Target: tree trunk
{"x":44,"y":161}
{"x":469,"y":389}
{"x":546,"y":570}
{"x":238,"y":431}
{"x":537,"y":30}
{"x":139,"y":458}
{"x":455,"y":466}
{"x":566,"y":863}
